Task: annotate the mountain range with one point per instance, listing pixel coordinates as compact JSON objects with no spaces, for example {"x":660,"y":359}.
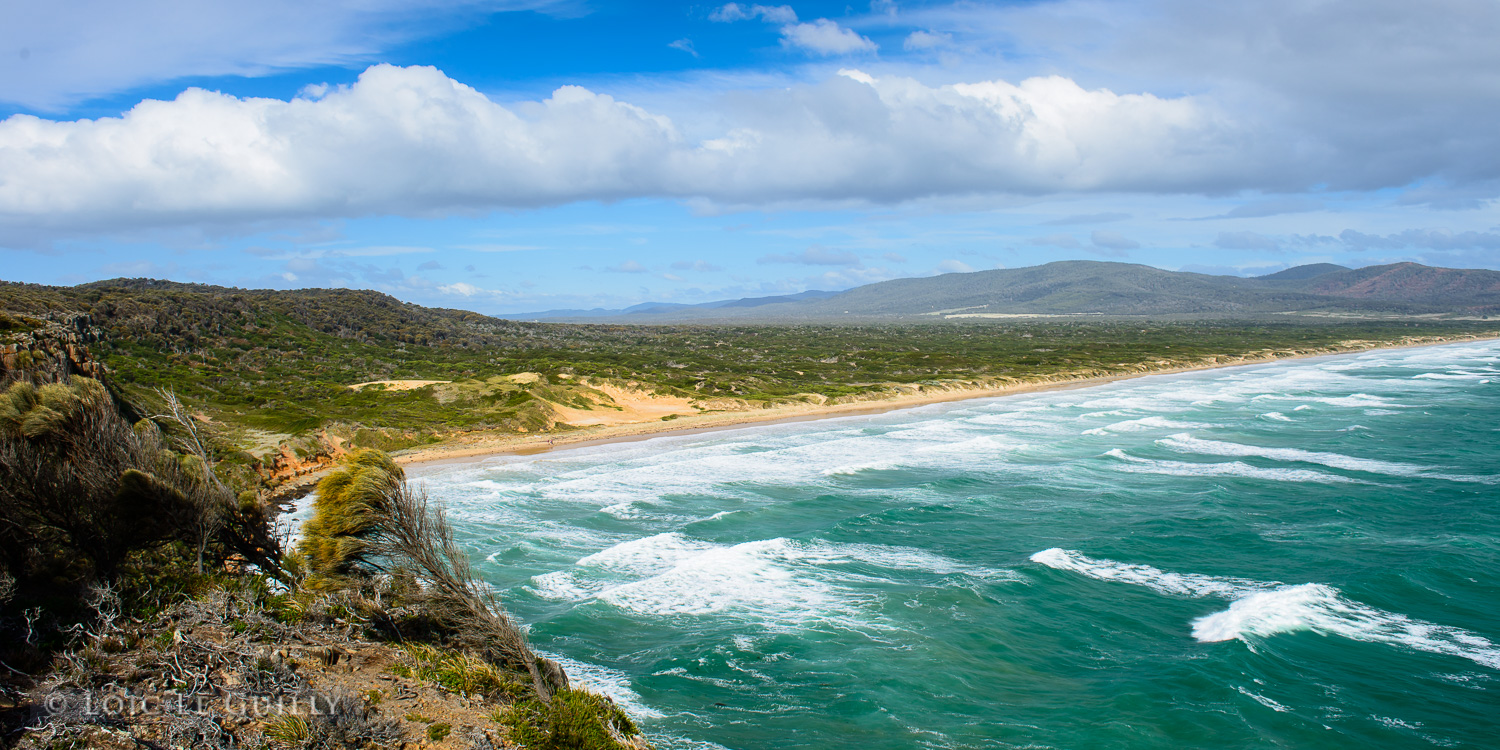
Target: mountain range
{"x":1068,"y":288}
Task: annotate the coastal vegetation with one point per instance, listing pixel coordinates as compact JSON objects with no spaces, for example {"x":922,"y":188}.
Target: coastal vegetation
{"x":148,"y":431}
{"x":143,"y":601}
{"x":269,"y":372}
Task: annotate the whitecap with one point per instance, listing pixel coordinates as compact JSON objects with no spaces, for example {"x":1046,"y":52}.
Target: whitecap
{"x":1260,"y":609}
{"x":751,"y":577}
{"x":486,"y":484}
{"x":1186,"y":443}
{"x":853,"y":469}
{"x":1276,"y":416}
{"x":1182,"y":584}
{"x":559,"y":586}
{"x":774,"y":580}
{"x":647,"y":555}
{"x":1145,"y":423}
{"x":1136,"y":465}
{"x":1262,"y":700}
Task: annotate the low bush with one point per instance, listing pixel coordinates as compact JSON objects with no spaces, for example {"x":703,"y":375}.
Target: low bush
{"x":573,"y":720}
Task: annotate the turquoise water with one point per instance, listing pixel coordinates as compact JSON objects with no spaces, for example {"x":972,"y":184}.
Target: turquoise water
{"x":1302,"y":554}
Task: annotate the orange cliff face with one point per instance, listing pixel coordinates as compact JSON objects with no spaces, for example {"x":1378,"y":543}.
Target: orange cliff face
{"x":290,"y":462}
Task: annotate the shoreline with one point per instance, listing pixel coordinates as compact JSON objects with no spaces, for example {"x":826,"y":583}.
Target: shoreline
{"x":522,"y":445}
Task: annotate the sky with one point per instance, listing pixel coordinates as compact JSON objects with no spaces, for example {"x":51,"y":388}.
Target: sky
{"x":507,"y":156}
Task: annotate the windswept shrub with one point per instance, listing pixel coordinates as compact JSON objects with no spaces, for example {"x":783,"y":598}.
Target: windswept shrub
{"x":82,"y":490}
{"x":367,"y":519}
{"x":348,"y":510}
{"x":572,"y":720}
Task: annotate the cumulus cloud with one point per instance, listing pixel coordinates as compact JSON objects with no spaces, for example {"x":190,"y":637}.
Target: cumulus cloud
{"x":1378,"y":93}
{"x":822,"y":36}
{"x":412,"y":141}
{"x":816,"y":255}
{"x":825,"y":37}
{"x":954,"y":266}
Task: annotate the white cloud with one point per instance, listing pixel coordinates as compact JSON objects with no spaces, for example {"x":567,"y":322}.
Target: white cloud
{"x":731,"y":12}
{"x":76,"y":49}
{"x":628,"y":266}
{"x":686,"y":45}
{"x":822,"y":36}
{"x":411,"y":141}
{"x":922,"y":40}
{"x":954,"y":266}
{"x":1382,"y":93}
{"x":825,"y":37}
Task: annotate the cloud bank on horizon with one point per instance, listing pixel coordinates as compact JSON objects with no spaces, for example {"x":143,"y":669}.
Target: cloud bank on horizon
{"x":1289,"y":130}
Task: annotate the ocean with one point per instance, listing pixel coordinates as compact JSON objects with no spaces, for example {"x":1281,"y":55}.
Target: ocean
{"x":1300,"y":554}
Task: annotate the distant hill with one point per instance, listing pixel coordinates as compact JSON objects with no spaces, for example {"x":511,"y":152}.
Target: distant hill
{"x":1121,"y":289}
{"x":1299,"y":273}
{"x":654,"y":308}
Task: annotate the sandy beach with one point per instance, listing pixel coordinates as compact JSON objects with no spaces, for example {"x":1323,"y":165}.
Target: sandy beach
{"x":479,"y":445}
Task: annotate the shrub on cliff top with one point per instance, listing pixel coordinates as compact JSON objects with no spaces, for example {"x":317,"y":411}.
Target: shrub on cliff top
{"x":350,"y":505}
{"x":573,"y":720}
{"x":366,"y":520}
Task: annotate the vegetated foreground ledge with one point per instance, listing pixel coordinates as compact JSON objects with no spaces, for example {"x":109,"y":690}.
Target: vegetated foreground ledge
{"x":481,"y":444}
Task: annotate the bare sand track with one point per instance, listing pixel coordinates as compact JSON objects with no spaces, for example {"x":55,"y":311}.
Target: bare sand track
{"x":398,"y":385}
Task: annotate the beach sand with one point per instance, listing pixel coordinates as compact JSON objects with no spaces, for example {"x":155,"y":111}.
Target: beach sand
{"x":478,"y":445}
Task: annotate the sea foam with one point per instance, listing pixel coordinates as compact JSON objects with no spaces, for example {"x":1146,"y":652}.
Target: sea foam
{"x":1136,"y":465}
{"x":1186,"y":443}
{"x":1263,"y":609}
{"x":776,"y":580}
{"x":1143,"y":424}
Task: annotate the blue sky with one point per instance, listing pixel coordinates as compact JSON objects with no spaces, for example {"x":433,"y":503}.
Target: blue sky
{"x":528,"y":155}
